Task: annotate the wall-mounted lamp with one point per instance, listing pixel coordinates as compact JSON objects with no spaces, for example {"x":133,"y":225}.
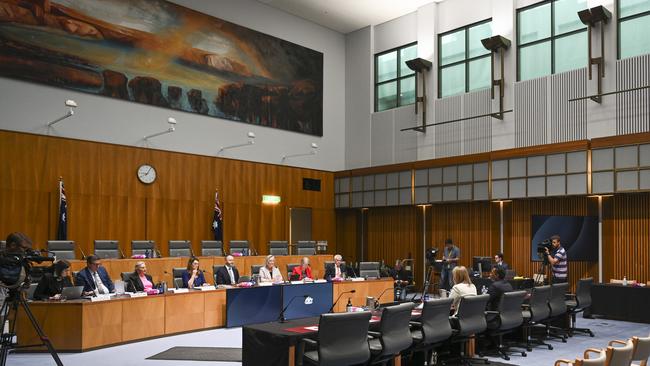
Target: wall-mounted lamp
{"x":590,"y":18}
{"x":497,"y":44}
{"x":251,"y":141}
{"x":71,"y":104}
{"x":420,"y":65}
{"x":172,"y":123}
{"x":314,"y":148}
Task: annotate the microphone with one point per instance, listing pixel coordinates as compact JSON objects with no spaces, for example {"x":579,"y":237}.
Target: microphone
{"x":121,"y":252}
{"x":382,"y":294}
{"x":281,"y":317}
{"x":208,"y":272}
{"x":83,"y":255}
{"x":339,"y":298}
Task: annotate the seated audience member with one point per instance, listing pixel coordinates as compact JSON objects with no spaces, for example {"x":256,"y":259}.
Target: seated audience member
{"x":303,"y":271}
{"x":337,"y":270}
{"x":497,"y":288}
{"x":228,"y":274}
{"x":139,"y":280}
{"x":270,"y":273}
{"x":463,"y":286}
{"x":51,"y":284}
{"x":193,"y":277}
{"x":401,"y":276}
{"x":94,"y":277}
{"x":499,"y":263}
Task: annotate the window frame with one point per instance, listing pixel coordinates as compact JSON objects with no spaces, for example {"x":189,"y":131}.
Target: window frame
{"x":620,"y":20}
{"x":397,"y":79}
{"x":550,"y":39}
{"x":465,"y":60}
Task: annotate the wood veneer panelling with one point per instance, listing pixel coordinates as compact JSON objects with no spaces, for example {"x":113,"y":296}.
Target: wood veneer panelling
{"x":106,"y":201}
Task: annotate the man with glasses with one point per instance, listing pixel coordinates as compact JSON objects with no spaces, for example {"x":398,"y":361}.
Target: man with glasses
{"x":94,"y":278}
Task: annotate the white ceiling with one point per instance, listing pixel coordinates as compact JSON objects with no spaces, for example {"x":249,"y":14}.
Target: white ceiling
{"x":345,"y":16}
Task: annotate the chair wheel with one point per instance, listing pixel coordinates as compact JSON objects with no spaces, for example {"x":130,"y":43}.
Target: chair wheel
{"x":507,"y":358}
{"x":550,"y":348}
{"x":523,"y":354}
{"x":563,"y":340}
{"x":591,"y":334}
{"x":486,"y":361}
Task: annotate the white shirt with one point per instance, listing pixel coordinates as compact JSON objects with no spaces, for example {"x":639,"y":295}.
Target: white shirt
{"x":459,"y":291}
{"x":99,"y":285}
{"x":231,"y":274}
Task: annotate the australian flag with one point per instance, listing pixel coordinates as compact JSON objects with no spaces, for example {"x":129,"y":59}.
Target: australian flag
{"x":62,"y":233}
{"x":217,"y":221}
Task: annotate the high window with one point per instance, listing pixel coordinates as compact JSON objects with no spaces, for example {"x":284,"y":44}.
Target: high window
{"x":633,"y":28}
{"x":394,"y":81}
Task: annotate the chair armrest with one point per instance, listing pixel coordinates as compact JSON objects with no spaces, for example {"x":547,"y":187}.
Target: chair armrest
{"x":591,"y":350}
{"x":563,"y":361}
{"x":415,"y":324}
{"x":492,"y":312}
{"x":310,"y":341}
{"x":616,"y":341}
{"x":525,"y":306}
{"x":570,"y":296}
{"x":374,"y":334}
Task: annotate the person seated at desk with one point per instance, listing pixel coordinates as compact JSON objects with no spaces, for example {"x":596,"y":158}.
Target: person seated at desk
{"x":193,"y":277}
{"x":228,"y":274}
{"x":303,"y":272}
{"x":401,"y":276}
{"x":463,"y":286}
{"x":336,"y":271}
{"x":139,"y":280}
{"x":270,"y":273}
{"x":499,"y":263}
{"x":51,"y":284}
{"x":497,"y":288}
{"x":94,"y":277}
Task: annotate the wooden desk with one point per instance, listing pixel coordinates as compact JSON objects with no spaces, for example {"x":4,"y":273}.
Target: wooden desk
{"x":362,"y":289}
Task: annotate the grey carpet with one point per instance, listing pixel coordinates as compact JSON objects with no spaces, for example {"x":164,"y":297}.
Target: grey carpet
{"x":199,"y":354}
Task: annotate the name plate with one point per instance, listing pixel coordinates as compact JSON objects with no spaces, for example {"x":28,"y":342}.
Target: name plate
{"x":103,"y":297}
{"x":296,"y":282}
{"x":320,"y":281}
{"x":265,"y":284}
{"x":205,"y":288}
{"x":179,"y":290}
{"x":357,"y":279}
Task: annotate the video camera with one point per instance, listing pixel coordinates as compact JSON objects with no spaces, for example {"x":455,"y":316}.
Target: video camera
{"x":542,"y":247}
{"x":16,"y":267}
{"x":431,"y":254}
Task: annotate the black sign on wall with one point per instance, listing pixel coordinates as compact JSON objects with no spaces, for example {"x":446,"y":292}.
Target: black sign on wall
{"x":309,"y":184}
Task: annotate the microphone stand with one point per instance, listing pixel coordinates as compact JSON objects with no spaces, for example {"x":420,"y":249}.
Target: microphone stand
{"x":121,"y":252}
{"x":382,"y":294}
{"x":83,"y":255}
{"x":339,"y":298}
{"x":281,"y":317}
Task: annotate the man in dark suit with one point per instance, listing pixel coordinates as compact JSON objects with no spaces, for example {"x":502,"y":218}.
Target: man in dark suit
{"x":499,"y":263}
{"x":94,"y":277}
{"x":498,"y":287}
{"x":337,"y":270}
{"x":228,"y":274}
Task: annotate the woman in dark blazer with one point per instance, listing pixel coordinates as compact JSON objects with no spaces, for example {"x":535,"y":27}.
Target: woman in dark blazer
{"x":51,"y":284}
{"x":139,"y":280}
{"x":193,"y":277}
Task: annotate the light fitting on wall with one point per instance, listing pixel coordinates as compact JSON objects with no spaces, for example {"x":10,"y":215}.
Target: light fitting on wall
{"x":420,"y":65}
{"x":591,"y":18}
{"x":314,"y":147}
{"x":172,"y":123}
{"x":71,"y":104}
{"x":251,"y":141}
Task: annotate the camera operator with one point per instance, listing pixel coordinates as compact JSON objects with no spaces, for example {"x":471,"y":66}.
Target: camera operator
{"x":558,"y":260}
{"x":18,"y":243}
{"x":450,"y":258}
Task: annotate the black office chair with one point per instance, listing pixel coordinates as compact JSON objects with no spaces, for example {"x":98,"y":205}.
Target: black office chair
{"x":62,"y":249}
{"x":469,"y":322}
{"x":578,"y":303}
{"x":211,"y":248}
{"x":141,"y":247}
{"x":433,"y":329}
{"x":536,"y":312}
{"x":506,"y":319}
{"x":559,"y":311}
{"x":180,"y":248}
{"x":255,"y":269}
{"x":290,"y":268}
{"x":306,"y":247}
{"x":369,"y":269}
{"x":3,"y":245}
{"x":240,"y":246}
{"x":279,"y":247}
{"x":394,"y":334}
{"x":177,"y":273}
{"x":215,"y":268}
{"x":244,"y":279}
{"x":31,"y":290}
{"x":125,"y":276}
{"x":342,"y":340}
{"x":107,"y":249}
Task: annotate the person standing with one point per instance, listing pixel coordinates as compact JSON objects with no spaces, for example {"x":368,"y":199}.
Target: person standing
{"x":450,"y":258}
{"x":558,"y":260}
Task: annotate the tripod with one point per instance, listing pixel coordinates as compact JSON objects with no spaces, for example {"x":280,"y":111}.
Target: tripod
{"x":427,"y":282}
{"x":9,"y":312}
{"x":542,"y":272}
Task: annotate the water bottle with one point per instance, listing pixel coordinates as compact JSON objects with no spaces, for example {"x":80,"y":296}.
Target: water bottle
{"x":348,"y":307}
{"x":624,"y":281}
{"x":147,"y":254}
{"x":163,"y":286}
{"x":484,"y":290}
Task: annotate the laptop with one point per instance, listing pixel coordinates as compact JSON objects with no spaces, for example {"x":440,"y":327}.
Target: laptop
{"x":71,"y":293}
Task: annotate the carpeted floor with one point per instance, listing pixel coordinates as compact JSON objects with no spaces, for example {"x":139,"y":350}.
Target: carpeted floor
{"x":199,"y":354}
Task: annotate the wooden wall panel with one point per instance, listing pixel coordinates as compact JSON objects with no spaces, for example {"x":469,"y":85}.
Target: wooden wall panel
{"x":626,"y":237}
{"x":106,"y":201}
{"x":347,"y":243}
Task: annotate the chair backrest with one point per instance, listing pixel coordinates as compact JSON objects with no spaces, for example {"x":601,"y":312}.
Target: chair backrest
{"x":290,"y":268}
{"x":583,"y":292}
{"x":620,"y":356}
{"x":125,"y":276}
{"x":255,"y":269}
{"x":641,"y":348}
{"x":140,"y":247}
{"x":369,"y":269}
{"x":215,"y":268}
{"x":342,"y":338}
{"x":539,"y":298}
{"x":279,"y":247}
{"x":471,"y":316}
{"x":177,"y":272}
{"x":601,"y":360}
{"x":180,"y":248}
{"x":510,"y":315}
{"x":306,"y":247}
{"x":239,"y":246}
{"x":557,"y":302}
{"x":107,"y":249}
{"x":178,"y":282}
{"x":63,"y":249}
{"x":244,"y":279}
{"x":435,"y":320}
{"x":3,"y":244}
{"x":212,"y":248}
{"x":31,"y":290}
{"x":394,"y":328}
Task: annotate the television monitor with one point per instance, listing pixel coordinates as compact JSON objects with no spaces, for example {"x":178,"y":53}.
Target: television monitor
{"x":482,"y":264}
{"x":578,"y":235}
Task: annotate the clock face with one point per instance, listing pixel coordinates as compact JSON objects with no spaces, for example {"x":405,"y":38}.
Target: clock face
{"x":146,"y":174}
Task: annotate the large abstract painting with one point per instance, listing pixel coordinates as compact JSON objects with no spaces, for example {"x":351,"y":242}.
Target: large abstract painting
{"x":163,"y":54}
